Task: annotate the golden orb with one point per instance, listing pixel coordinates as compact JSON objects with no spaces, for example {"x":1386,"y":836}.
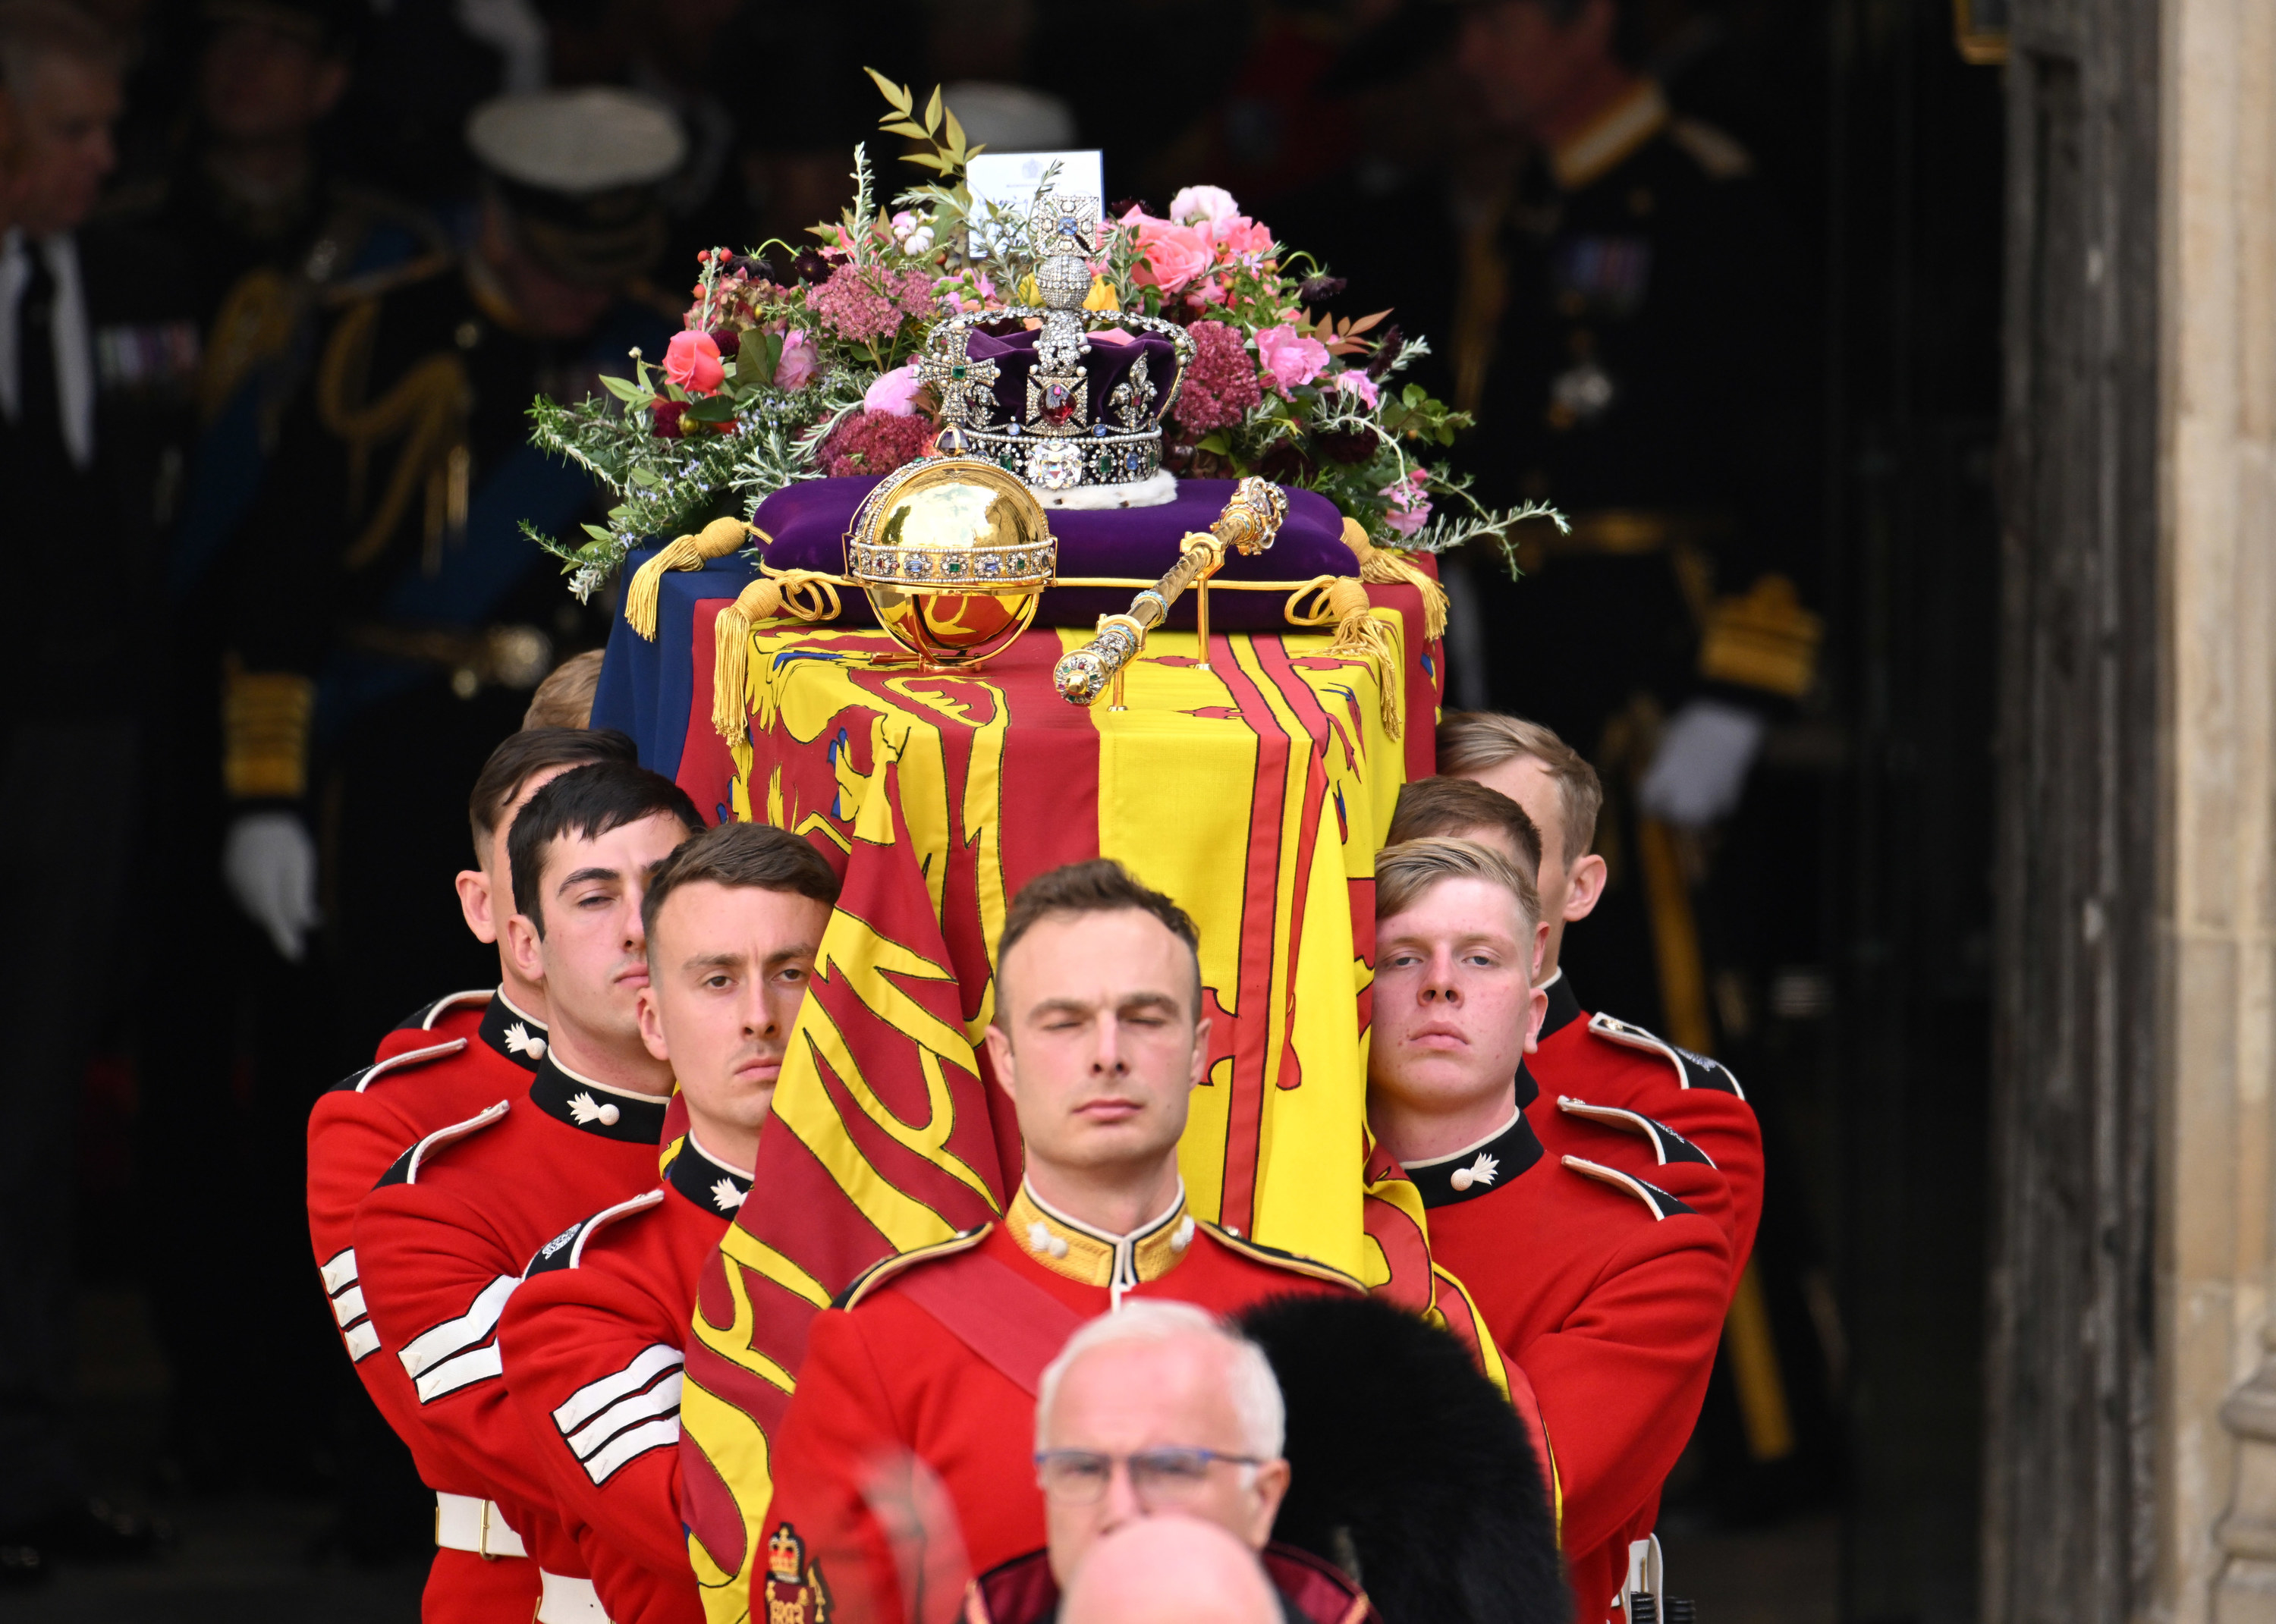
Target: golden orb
{"x":954,"y":553}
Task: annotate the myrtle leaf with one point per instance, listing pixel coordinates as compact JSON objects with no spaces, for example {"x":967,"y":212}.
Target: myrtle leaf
{"x":1366,"y":321}
{"x":625,"y":390}
{"x":904,"y":127}
{"x":955,"y":133}
{"x":932,"y":113}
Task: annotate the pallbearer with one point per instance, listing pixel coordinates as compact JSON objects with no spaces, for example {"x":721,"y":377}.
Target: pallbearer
{"x":443,"y":1242}
{"x":903,"y":1464}
{"x":594,"y":1335}
{"x":1600,"y":1057}
{"x":1565,"y":1120}
{"x":1603,"y":1287}
{"x":445,"y":1062}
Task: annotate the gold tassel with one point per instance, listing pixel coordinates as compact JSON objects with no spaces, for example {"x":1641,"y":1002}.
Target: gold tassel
{"x":1342,"y":602}
{"x":716,"y":539}
{"x":802,"y":594}
{"x":1388,"y":567}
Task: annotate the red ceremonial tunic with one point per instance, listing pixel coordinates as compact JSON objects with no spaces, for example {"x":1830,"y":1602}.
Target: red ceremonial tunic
{"x":905,"y":1460}
{"x":1608,"y":1062}
{"x":443,"y":1064}
{"x":443,"y":1242}
{"x":594,"y":1339}
{"x":1609,"y":1293}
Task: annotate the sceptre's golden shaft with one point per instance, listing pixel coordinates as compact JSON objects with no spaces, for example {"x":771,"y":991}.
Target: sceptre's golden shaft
{"x":1247,"y":525}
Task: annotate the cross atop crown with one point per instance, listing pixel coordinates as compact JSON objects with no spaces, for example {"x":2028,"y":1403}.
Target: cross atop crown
{"x":1059,"y":224}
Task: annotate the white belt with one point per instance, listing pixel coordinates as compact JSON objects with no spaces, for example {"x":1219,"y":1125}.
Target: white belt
{"x":464,"y":1524}
{"x":564,"y":1600}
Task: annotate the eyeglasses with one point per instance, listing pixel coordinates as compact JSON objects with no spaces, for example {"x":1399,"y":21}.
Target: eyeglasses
{"x":1157,"y":1476}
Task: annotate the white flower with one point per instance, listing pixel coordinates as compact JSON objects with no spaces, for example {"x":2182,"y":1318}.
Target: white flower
{"x":1195,"y":204}
{"x":725,"y":1196}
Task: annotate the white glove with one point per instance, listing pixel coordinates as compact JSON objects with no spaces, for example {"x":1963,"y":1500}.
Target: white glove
{"x":269,"y":862}
{"x":1705,"y":753}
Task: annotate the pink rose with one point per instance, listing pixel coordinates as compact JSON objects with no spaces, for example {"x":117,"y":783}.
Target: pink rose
{"x":1241,"y":236}
{"x":1169,"y":255}
{"x":1196,"y":204}
{"x":1410,"y":508}
{"x":692,"y":362}
{"x":1289,"y":357}
{"x":1353,"y":381}
{"x":801,"y":360}
{"x":895,"y":393}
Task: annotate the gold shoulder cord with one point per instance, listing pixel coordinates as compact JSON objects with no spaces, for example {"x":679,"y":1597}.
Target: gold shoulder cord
{"x":427,"y":409}
{"x":254,"y":322}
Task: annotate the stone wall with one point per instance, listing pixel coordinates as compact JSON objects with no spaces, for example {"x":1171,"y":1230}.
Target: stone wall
{"x":2216,"y":1463}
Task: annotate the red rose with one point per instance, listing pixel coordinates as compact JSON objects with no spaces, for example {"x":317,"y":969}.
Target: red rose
{"x":692,"y":362}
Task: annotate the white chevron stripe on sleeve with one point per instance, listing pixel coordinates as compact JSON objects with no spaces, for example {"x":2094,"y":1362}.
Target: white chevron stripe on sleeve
{"x":462,"y":1371}
{"x":590,"y":1400}
{"x":431,"y":1348}
{"x":661,"y":1399}
{"x":347,"y":1308}
{"x":627,"y":1446}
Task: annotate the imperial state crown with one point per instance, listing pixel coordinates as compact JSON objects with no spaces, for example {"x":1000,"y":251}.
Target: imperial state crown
{"x":1068,"y":399}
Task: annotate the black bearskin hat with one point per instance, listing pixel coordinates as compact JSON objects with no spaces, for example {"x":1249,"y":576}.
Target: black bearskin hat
{"x":1409,"y":1465}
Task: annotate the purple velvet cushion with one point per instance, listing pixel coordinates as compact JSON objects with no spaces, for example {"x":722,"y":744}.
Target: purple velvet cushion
{"x":807,"y":521}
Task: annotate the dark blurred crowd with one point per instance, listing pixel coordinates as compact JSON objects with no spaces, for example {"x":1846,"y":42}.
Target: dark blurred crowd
{"x":279,"y":280}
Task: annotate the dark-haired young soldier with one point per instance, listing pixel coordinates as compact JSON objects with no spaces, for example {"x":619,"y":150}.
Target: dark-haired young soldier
{"x":902,"y":1468}
{"x":442,"y":1064}
{"x":1603,"y":1287}
{"x":441,"y":1243}
{"x":593,"y":1336}
{"x":1606,"y":1061}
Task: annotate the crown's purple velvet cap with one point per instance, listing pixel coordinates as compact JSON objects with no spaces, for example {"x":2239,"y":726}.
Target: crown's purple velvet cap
{"x":1106,"y":366}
